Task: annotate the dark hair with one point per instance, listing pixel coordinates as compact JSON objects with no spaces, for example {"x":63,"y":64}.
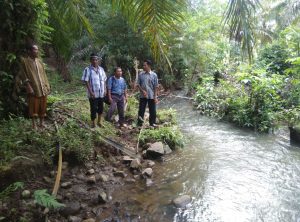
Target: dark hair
{"x":116,"y":68}
{"x":31,"y":46}
{"x":93,"y":55}
{"x":148,"y":61}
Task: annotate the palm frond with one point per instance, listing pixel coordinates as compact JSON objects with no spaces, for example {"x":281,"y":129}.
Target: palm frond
{"x":155,"y":19}
{"x":240,"y":17}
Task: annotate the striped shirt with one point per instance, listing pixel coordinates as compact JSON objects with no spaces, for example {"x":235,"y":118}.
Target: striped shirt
{"x":96,"y":78}
{"x":148,"y":82}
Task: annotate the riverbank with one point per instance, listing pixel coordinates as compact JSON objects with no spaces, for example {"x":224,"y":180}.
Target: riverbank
{"x":92,"y":169}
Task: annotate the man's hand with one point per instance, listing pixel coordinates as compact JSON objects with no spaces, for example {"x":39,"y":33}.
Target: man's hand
{"x":92,"y":95}
{"x":110,"y":100}
{"x":29,"y":89}
{"x":156,"y":101}
{"x":145,"y":93}
{"x":126,"y":99}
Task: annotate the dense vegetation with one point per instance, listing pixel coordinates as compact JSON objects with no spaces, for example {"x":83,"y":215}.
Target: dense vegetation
{"x":241,"y":62}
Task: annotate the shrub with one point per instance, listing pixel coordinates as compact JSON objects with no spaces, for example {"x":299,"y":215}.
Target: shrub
{"x":166,"y":116}
{"x":169,"y":135}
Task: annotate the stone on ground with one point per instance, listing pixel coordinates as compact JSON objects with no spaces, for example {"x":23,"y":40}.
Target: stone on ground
{"x":182,"y":201}
{"x":71,"y":208}
{"x":26,"y":194}
{"x":135,"y":164}
{"x":148,"y":172}
{"x":102,"y":197}
{"x":120,"y":174}
{"x":66,"y":185}
{"x":126,"y":159}
{"x":103,"y":178}
{"x":91,"y":172}
{"x":91,"y":179}
{"x":156,"y":150}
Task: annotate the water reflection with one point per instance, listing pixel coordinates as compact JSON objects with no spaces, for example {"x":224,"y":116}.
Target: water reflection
{"x":232,"y":174}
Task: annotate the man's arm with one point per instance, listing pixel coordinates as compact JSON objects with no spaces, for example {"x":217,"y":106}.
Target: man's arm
{"x":155,"y":89}
{"x":25,"y":79}
{"x":89,"y":88}
{"x":139,"y":83}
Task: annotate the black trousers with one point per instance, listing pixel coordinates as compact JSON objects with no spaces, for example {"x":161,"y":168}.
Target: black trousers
{"x":142,"y":109}
{"x":96,"y":106}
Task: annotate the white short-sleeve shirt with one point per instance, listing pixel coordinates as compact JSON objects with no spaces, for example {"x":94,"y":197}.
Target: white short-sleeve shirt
{"x":96,"y":78}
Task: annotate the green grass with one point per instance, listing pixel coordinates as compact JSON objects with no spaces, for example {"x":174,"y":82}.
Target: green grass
{"x":169,"y":135}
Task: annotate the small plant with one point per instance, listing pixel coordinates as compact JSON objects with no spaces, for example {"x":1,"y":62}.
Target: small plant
{"x":166,"y":116}
{"x":169,"y":135}
{"x":42,"y":198}
{"x":10,"y":189}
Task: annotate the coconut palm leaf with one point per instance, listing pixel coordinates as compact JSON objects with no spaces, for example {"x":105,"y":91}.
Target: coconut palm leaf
{"x":240,"y":16}
{"x":155,"y":19}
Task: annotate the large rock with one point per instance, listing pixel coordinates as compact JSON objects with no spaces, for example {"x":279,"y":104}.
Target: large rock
{"x":71,"y":208}
{"x":156,"y":150}
{"x":135,"y":164}
{"x":182,"y":201}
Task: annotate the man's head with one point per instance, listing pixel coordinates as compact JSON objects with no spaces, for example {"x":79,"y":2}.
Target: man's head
{"x":95,"y":60}
{"x":147,"y":65}
{"x":118,"y":72}
{"x":33,"y":51}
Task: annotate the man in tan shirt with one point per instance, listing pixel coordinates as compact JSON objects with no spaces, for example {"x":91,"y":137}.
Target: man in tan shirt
{"x":34,"y":78}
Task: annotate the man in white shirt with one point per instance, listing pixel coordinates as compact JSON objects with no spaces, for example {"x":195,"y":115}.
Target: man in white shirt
{"x":95,"y":79}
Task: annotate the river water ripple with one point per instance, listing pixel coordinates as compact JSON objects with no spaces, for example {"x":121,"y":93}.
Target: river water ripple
{"x":232,"y":174}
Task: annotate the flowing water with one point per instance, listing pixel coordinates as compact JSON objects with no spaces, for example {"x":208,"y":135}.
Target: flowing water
{"x":232,"y":174}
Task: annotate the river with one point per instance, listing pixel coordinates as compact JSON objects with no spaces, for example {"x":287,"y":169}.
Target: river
{"x":232,"y":174}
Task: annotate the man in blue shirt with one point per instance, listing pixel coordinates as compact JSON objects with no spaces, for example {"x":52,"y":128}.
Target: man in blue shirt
{"x":117,"y":95}
{"x":147,"y":84}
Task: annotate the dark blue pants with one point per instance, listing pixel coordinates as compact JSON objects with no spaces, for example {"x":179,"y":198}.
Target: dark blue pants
{"x":96,"y":106}
{"x":142,"y":109}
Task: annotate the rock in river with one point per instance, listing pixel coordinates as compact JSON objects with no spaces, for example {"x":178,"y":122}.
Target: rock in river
{"x":147,"y":172}
{"x":156,"y":150}
{"x":135,"y":164}
{"x":167,"y":149}
{"x":182,"y":201}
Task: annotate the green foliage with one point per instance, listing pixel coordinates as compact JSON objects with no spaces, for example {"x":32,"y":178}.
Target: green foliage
{"x":18,"y":138}
{"x":166,"y":116}
{"x":132,"y":107}
{"x":252,"y":100}
{"x":44,"y":199}
{"x":274,"y":57}
{"x":169,"y":135}
{"x":75,"y":140}
{"x":10,"y":189}
{"x":25,"y":22}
